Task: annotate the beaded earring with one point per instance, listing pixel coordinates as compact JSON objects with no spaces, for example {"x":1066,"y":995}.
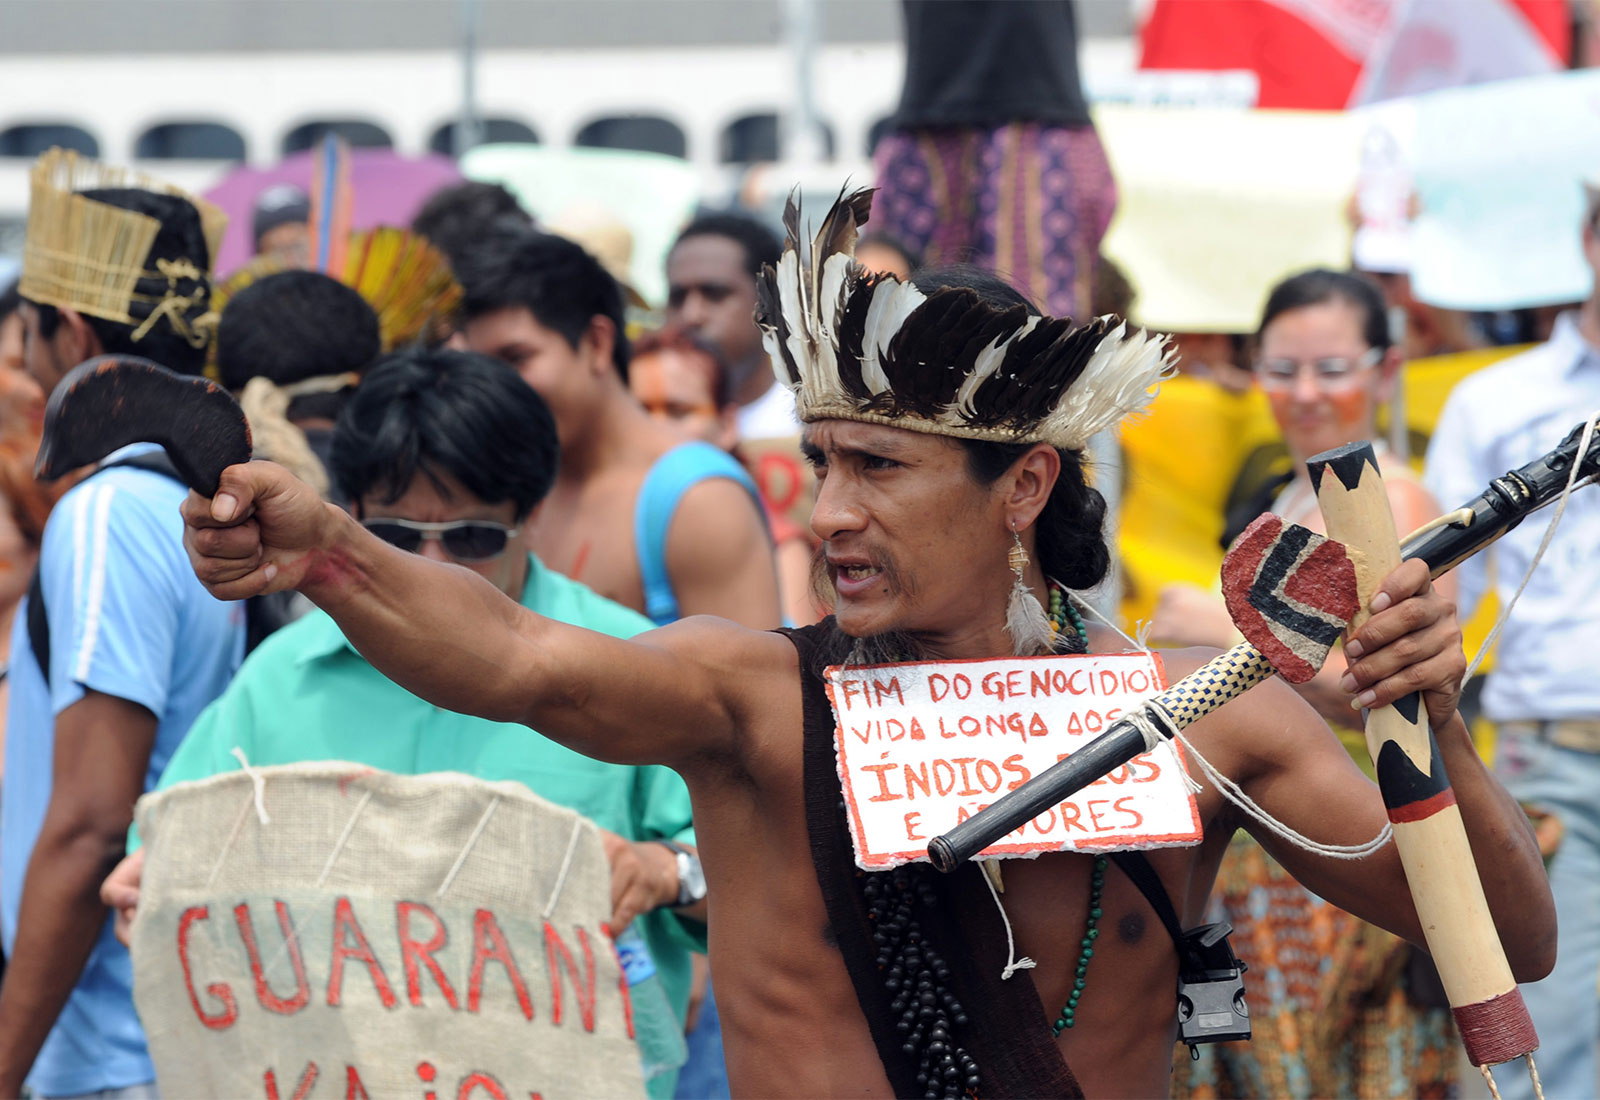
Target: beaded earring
{"x":1026,"y":621}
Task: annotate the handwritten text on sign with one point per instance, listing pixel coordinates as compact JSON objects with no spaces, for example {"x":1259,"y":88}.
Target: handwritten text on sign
{"x":923,"y":747}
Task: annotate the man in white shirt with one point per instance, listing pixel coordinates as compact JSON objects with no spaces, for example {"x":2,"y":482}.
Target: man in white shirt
{"x":711,"y":290}
{"x":1545,"y":690}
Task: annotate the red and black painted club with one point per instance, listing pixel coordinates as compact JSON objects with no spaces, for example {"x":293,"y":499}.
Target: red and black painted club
{"x":1428,"y":830}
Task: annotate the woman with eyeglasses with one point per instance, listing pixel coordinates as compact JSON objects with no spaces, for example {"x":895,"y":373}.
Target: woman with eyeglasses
{"x":1340,"y":1007}
{"x":1327,"y":366}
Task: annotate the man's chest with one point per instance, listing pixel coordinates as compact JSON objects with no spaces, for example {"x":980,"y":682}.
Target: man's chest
{"x":588,"y":535}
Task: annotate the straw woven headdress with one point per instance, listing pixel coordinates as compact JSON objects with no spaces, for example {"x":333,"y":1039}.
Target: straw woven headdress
{"x":95,"y":257}
{"x":854,"y":345}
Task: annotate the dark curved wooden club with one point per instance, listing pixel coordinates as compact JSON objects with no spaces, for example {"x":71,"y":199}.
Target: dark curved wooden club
{"x":110,"y":401}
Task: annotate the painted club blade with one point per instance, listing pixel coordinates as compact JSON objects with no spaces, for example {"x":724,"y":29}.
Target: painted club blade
{"x":1290,"y":592}
{"x":111,"y":401}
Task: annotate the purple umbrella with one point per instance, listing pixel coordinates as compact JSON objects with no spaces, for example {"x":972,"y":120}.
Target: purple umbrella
{"x":389,"y":189}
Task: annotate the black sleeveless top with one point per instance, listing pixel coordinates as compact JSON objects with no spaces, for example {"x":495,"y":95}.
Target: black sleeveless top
{"x":986,"y":63}
{"x":999,"y":1027}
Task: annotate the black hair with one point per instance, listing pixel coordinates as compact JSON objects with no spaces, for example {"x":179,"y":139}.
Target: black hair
{"x":1070,"y":541}
{"x":445,"y":412}
{"x":1321,"y":285}
{"x":181,"y":235}
{"x":554,"y":279}
{"x":10,"y":299}
{"x":911,"y":256}
{"x":292,"y":326}
{"x":760,"y":244}
{"x":456,"y":217}
{"x":988,"y":286}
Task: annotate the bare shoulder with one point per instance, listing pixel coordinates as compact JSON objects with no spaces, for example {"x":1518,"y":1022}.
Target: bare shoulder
{"x":723,"y":645}
{"x":719,"y":555}
{"x":712,"y":510}
{"x":750,"y":668}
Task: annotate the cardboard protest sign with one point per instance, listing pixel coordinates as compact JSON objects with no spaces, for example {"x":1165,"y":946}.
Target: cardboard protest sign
{"x":327,"y":930}
{"x":923,"y":747}
{"x":781,"y":474}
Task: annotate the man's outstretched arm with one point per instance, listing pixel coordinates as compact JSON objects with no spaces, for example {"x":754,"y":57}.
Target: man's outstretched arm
{"x":449,"y":636}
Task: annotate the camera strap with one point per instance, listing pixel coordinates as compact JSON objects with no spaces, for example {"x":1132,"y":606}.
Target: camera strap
{"x":1211,"y":1007}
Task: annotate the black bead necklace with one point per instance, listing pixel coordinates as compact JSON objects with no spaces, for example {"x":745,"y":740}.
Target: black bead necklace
{"x":927,"y":1014}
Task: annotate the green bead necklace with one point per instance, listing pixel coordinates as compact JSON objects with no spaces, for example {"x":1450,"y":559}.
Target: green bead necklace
{"x":1091,"y":932}
{"x":1062,"y":612}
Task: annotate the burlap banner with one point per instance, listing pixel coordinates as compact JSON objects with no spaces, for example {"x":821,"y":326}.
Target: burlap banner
{"x":327,"y":930}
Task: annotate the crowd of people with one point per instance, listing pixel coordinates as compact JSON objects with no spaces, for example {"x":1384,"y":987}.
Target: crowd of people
{"x":628,"y":591}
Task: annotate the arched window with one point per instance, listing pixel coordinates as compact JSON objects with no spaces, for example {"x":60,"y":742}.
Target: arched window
{"x":493,"y":131}
{"x":646,"y":133}
{"x":360,"y":135}
{"x":879,"y":129}
{"x":754,"y":138}
{"x":32,"y":138}
{"x":190,"y":141}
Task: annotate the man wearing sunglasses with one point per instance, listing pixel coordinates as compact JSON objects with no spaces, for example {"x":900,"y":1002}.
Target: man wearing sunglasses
{"x":448,"y":454}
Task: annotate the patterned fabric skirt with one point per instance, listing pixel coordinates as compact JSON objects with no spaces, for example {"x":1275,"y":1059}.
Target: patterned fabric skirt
{"x":1333,"y":1000}
{"x":1027,"y":201}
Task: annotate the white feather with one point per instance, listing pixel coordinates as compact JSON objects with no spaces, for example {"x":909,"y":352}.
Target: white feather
{"x":1027,"y":623}
{"x":836,"y":281}
{"x":988,"y":361}
{"x":790,"y":305}
{"x":892,"y":302}
{"x":1119,"y":380}
{"x":769,"y":344}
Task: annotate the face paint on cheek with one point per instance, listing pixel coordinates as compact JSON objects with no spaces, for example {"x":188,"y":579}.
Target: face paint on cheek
{"x":649,"y":385}
{"x":1351,"y":409}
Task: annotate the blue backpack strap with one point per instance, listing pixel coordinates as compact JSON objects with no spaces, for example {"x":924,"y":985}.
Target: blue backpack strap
{"x":674,"y":474}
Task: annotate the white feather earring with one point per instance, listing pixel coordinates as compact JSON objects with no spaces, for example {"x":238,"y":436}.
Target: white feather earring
{"x":1026,"y":621}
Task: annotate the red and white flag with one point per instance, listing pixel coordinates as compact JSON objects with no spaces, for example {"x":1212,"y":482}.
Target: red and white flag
{"x":1332,"y":54}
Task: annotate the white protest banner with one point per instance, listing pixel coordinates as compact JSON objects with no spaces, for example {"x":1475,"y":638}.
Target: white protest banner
{"x":326,"y":930}
{"x":923,"y":747}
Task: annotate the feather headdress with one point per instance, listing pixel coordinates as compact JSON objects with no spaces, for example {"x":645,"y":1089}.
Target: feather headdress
{"x":854,"y":345}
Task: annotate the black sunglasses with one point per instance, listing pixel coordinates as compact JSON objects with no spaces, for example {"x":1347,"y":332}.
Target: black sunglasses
{"x":462,"y":539}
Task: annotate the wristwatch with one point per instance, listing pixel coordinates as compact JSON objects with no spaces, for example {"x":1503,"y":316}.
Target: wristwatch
{"x":691,"y":879}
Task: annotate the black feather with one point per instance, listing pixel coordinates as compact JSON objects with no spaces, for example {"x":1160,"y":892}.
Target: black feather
{"x":922,"y":382}
{"x":851,"y":331}
{"x":768,"y":314}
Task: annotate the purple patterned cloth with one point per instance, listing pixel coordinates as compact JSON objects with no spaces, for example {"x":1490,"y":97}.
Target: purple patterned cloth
{"x":1028,"y":201}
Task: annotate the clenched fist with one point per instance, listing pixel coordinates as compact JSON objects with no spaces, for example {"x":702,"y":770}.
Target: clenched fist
{"x":264,"y":531}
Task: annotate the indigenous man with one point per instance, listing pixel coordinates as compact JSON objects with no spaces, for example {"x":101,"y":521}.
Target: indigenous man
{"x":946,"y":426}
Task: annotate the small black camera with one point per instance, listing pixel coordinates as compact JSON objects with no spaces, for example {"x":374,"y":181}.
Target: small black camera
{"x":1211,"y":1007}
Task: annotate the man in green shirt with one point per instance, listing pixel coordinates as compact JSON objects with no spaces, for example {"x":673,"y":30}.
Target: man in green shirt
{"x":448,"y":454}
